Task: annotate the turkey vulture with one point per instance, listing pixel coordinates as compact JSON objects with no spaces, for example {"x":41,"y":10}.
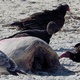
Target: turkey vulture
{"x":41,"y":19}
{"x":42,"y":34}
{"x":73,"y":55}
